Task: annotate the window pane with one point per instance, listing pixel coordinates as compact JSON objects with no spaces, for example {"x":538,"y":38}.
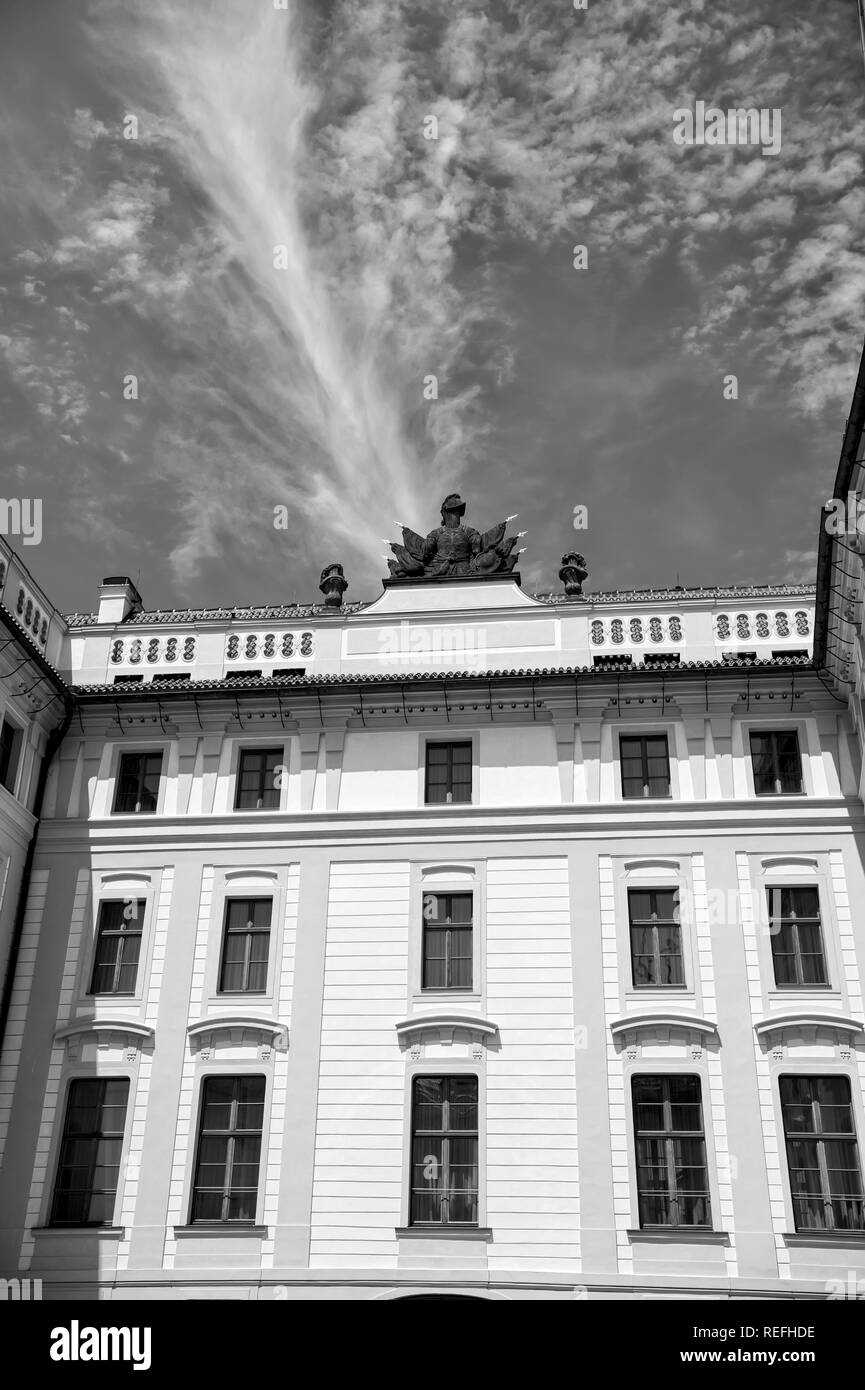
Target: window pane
{"x":428,"y":1103}
{"x":229,"y":1148}
{"x":257,"y":778}
{"x":444,"y":1164}
{"x":90,"y":1149}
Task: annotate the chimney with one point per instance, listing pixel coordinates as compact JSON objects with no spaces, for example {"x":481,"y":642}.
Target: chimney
{"x":118,"y":597}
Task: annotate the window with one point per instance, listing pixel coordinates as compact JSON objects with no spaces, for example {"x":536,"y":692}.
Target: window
{"x":645,"y":765}
{"x":672,"y":1181}
{"x":258,"y":779}
{"x":10,"y":749}
{"x":245,"y":946}
{"x":797,"y":942}
{"x":118,"y":944}
{"x":229,"y":1149}
{"x":448,"y":772}
{"x":90,"y":1153}
{"x":656,"y":937}
{"x":776,"y":762}
{"x":138,"y":783}
{"x":822,"y":1153}
{"x":444,"y":1155}
{"x":447,"y":941}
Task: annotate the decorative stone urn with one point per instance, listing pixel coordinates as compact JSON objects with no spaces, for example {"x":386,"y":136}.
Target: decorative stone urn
{"x":333,"y":585}
{"x":572,"y":574}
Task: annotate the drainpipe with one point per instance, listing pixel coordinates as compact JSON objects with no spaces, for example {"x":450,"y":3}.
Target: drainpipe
{"x":54,"y":741}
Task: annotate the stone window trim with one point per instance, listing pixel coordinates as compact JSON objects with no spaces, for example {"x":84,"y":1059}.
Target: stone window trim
{"x":785,"y":1061}
{"x":228,"y":773}
{"x":442,"y":1066}
{"x":617,"y":727}
{"x":230,"y":1067}
{"x":797,"y":871}
{"x":119,"y":750}
{"x":447,"y":734}
{"x":695,"y":1065}
{"x":447,"y":877}
{"x":772,"y":721}
{"x":250,"y":881}
{"x":105,"y":887}
{"x":654,"y":872}
{"x":76,"y":1070}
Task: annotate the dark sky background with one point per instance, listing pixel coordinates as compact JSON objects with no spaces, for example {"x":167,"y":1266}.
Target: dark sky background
{"x":301,"y":384}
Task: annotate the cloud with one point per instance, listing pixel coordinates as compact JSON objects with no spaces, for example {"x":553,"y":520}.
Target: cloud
{"x":297,"y":257}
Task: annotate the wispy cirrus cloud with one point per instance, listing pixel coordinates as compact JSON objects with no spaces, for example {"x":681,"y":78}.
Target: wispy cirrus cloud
{"x":301,"y":381}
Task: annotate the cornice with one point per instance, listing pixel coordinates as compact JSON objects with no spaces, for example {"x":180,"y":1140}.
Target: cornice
{"x":105,"y":1023}
{"x":807,"y":1018}
{"x":646,"y":1022}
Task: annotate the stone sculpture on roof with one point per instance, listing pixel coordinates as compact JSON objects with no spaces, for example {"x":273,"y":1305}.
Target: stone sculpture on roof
{"x":453,"y":550}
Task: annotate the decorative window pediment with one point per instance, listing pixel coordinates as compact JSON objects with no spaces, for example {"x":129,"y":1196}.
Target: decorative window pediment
{"x":650,"y":1023}
{"x":123,"y":1034}
{"x":446,"y":1027}
{"x":794,"y":1022}
{"x":267,"y":1034}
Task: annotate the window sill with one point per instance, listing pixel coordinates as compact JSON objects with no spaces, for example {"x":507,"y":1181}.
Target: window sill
{"x":854,"y":1238}
{"x":680,"y":1235}
{"x":105,"y":1232}
{"x":444,"y":1232}
{"x":776,"y":796}
{"x":781,"y":990}
{"x":241,"y":994}
{"x":218,"y":1229}
{"x":635,"y":800}
{"x":638,"y":991}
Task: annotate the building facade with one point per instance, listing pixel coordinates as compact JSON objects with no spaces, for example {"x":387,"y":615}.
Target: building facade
{"x":461,"y":942}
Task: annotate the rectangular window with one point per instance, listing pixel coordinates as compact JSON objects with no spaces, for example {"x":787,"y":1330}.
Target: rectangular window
{"x":672,"y":1181}
{"x":245,"y":946}
{"x":10,"y":750}
{"x":229,"y":1149}
{"x":90,"y":1151}
{"x":118,"y":944}
{"x":776,"y":762}
{"x":448,"y":772}
{"x":258,"y":779}
{"x":822,"y":1153}
{"x":797,"y":941}
{"x":444,"y":1152}
{"x":645,"y":765}
{"x":447,"y":941}
{"x":656,"y":937}
{"x":138,"y":784}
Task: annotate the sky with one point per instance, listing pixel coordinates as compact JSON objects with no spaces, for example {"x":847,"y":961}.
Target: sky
{"x":238,"y":241}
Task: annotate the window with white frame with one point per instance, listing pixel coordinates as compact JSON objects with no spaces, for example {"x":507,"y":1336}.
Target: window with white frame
{"x":822,"y":1153}
{"x":645,"y":765}
{"x":776,"y":762}
{"x":672,"y":1174}
{"x":225,"y":1186}
{"x":444,"y":1151}
{"x":259,"y":779}
{"x":88,"y":1168}
{"x":447,"y":941}
{"x":448,"y":772}
{"x":245,"y":946}
{"x":795,"y":932}
{"x":657,"y":958}
{"x":137,"y":791}
{"x":118,"y":946}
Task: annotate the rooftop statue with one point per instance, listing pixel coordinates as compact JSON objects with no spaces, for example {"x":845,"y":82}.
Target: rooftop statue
{"x":454,"y":550}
